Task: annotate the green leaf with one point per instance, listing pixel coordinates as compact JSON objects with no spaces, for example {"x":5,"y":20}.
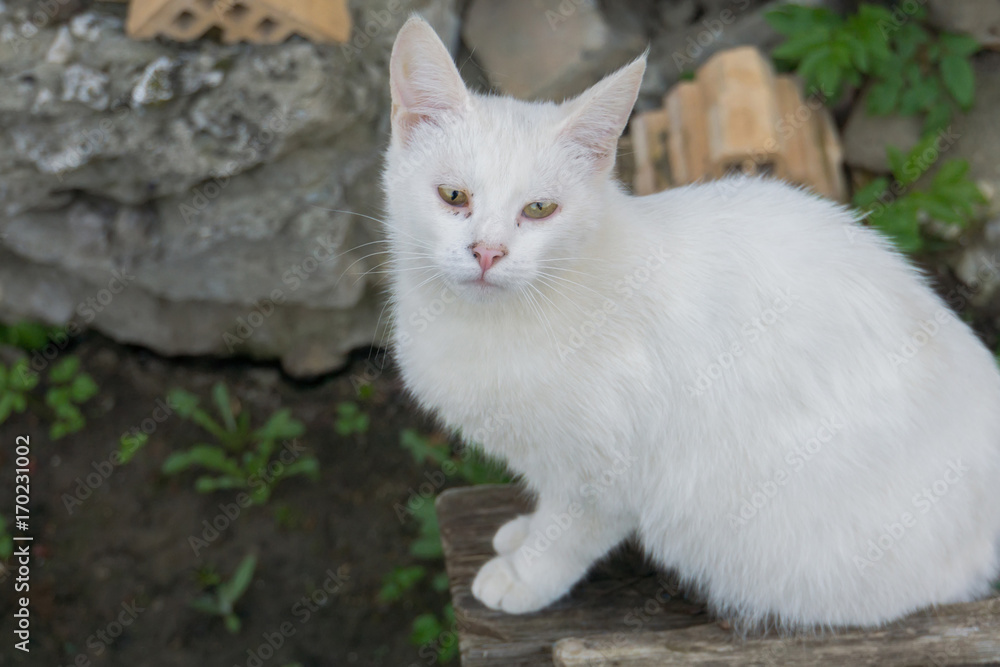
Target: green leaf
{"x":223,"y":404}
{"x":183,"y":402}
{"x":83,"y":388}
{"x":426,"y":629}
{"x":440,"y":582}
{"x":233,"y":623}
{"x":232,"y":590}
{"x":421,"y":447}
{"x":64,"y":370}
{"x":959,"y":45}
{"x":883,"y":96}
{"x":959,"y":79}
{"x":307,"y":466}
{"x":22,"y":377}
{"x":206,"y":604}
{"x":868,"y":195}
{"x":130,"y":445}
{"x":206,"y":456}
{"x":399,"y":581}
{"x":281,"y":426}
{"x":206,"y":484}
{"x":6,"y":406}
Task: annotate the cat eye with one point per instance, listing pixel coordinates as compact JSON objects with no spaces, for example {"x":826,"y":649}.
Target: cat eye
{"x":453,"y":197}
{"x":540,"y":209}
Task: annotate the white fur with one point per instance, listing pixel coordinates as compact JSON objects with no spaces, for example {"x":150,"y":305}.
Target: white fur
{"x":738,"y":373}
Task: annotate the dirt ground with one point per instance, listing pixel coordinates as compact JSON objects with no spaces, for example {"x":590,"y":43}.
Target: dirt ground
{"x":113,"y":575}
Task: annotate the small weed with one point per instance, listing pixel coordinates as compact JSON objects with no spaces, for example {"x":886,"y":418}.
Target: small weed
{"x":351,"y":420}
{"x":221,"y":601}
{"x":6,"y":541}
{"x":130,"y":444}
{"x":429,"y":629}
{"x":242,"y":457}
{"x":439,"y":634}
{"x":913,"y":69}
{"x":950,"y":198}
{"x":68,"y":389}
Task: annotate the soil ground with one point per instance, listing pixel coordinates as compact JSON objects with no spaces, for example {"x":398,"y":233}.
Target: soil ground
{"x":123,"y":553}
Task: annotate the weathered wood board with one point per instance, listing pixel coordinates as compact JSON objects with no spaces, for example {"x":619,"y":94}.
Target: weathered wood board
{"x":627,"y":614}
{"x":622,"y":595}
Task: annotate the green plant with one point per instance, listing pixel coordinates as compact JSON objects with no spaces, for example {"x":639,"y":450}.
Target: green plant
{"x":222,"y":600}
{"x":350,"y":419}
{"x":912,"y":69}
{"x":15,"y":384}
{"x":69,"y":387}
{"x":28,"y":336}
{"x":438,"y":633}
{"x":6,"y":541}
{"x":242,"y":458}
{"x":129,"y":444}
{"x":430,"y":629}
{"x":951,"y":198}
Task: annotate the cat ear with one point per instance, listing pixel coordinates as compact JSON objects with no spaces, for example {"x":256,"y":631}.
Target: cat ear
{"x":598,"y":116}
{"x":424,"y":83}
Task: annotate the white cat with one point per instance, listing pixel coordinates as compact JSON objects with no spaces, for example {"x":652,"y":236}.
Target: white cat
{"x":739,"y":374}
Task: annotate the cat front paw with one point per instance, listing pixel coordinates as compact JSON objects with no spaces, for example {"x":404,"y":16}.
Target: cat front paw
{"x":500,"y":587}
{"x":511,"y":535}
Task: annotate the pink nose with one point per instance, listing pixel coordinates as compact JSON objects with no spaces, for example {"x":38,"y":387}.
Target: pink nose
{"x":487,"y":255}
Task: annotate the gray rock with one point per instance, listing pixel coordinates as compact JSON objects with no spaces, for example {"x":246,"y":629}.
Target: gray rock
{"x":197,"y":198}
{"x":979,"y":18}
{"x":548,"y":49}
{"x":866,"y":136}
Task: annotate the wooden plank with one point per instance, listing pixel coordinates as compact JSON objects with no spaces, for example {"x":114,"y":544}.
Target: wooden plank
{"x":961,"y":634}
{"x":738,"y":85}
{"x":649,"y":145}
{"x":622,"y":595}
{"x":687,"y":138}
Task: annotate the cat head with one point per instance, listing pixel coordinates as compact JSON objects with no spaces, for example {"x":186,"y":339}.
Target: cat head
{"x":489,"y":194}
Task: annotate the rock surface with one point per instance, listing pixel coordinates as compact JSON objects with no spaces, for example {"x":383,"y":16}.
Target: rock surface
{"x":196,"y":198}
{"x":979,"y":18}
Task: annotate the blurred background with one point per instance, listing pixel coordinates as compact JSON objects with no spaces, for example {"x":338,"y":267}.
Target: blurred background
{"x":224,"y":468}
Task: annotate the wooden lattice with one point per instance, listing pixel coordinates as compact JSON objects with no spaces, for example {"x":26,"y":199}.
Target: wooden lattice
{"x":737,"y":116}
{"x":257,"y":21}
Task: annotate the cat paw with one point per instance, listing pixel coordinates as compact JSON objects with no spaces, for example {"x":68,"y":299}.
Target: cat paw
{"x":511,"y":535}
{"x":498,"y":586}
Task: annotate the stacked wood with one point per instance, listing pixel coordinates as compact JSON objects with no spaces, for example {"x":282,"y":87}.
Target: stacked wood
{"x":256,"y":21}
{"x":737,"y":116}
{"x":629,"y":615}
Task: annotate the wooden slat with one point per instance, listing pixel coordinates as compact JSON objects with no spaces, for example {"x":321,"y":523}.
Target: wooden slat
{"x":962,"y":634}
{"x":649,"y":145}
{"x":622,"y":595}
{"x":738,"y":85}
{"x":688,"y":133}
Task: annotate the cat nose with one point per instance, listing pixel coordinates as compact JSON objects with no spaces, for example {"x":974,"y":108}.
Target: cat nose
{"x":486,"y":255}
